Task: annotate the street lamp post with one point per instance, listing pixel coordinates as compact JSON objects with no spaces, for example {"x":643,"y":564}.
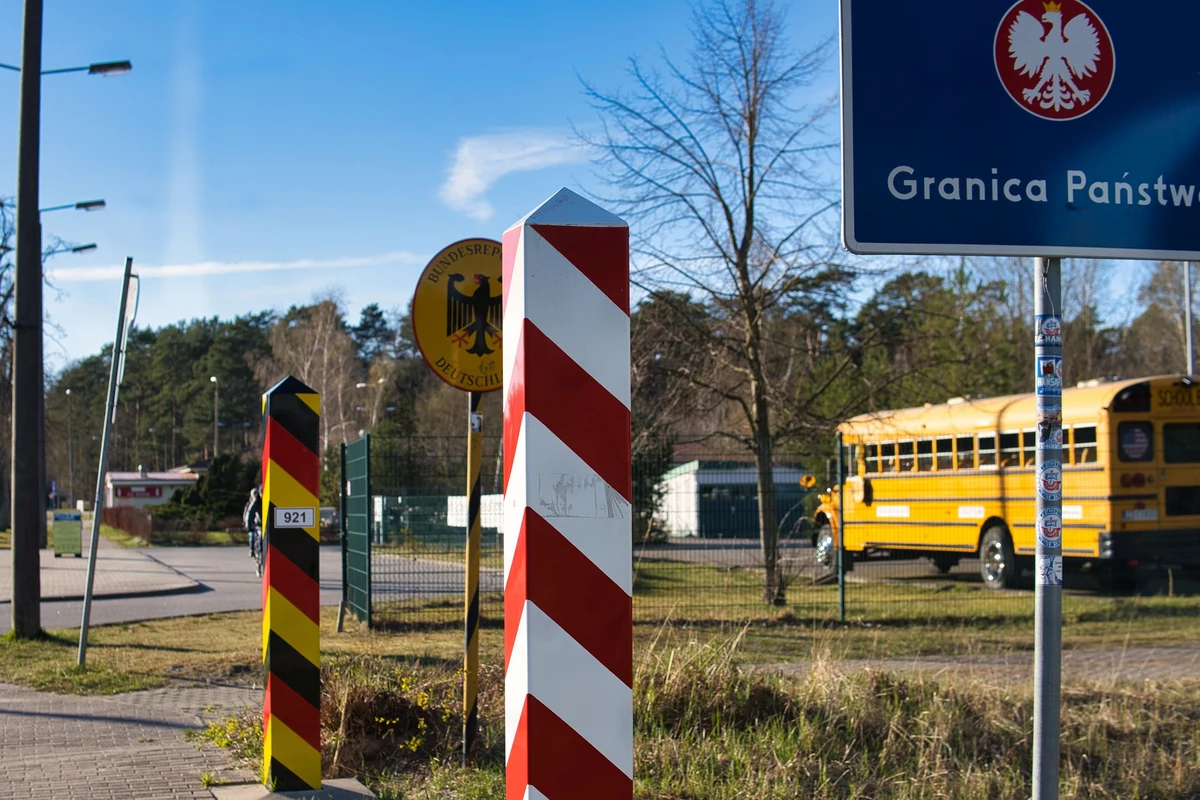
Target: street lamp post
{"x":216,"y":425}
{"x":70,"y":454}
{"x":28,"y":456}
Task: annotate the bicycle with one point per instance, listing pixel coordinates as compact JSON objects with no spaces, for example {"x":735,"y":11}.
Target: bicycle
{"x":258,"y":546}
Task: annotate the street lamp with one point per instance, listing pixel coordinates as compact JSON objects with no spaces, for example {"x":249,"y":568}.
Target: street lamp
{"x":28,"y":447}
{"x":70,"y":453}
{"x":85,"y":205}
{"x":216,"y":425}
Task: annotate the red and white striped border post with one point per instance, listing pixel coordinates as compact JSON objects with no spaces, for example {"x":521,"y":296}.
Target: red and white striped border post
{"x":568,"y":612}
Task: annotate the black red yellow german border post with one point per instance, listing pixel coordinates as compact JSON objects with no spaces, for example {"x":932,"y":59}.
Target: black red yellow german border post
{"x":291,"y":600}
{"x":458,"y":331}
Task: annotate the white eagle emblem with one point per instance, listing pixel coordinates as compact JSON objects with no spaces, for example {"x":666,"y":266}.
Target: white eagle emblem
{"x":1057,"y":58}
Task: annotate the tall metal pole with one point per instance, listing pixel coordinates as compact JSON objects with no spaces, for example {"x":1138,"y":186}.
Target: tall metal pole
{"x":70,"y":454}
{"x":216,"y":424}
{"x":471,"y":584}
{"x":841,"y":536}
{"x":27,"y":502}
{"x":1187,"y":317}
{"x":1047,"y":653}
{"x":110,"y":410}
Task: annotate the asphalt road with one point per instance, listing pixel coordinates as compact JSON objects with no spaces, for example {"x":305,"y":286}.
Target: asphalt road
{"x":226,"y":583}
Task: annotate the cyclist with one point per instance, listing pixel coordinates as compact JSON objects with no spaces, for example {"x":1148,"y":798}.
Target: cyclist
{"x":252,"y":520}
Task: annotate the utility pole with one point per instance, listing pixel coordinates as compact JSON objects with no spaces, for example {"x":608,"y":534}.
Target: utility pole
{"x":28,"y":505}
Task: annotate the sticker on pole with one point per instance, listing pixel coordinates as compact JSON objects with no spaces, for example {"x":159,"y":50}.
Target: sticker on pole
{"x":1050,"y":570}
{"x":1049,"y":428}
{"x":295,"y":517}
{"x":1049,"y":375}
{"x":1049,"y":330}
{"x":1049,"y":527}
{"x":1049,"y":480}
{"x":457,"y":312}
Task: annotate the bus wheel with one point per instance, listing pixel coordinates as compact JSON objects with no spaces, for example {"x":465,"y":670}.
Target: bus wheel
{"x":997,"y":561}
{"x":825,"y":554}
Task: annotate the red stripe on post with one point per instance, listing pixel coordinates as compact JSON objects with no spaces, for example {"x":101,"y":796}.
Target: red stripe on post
{"x":567,"y":766}
{"x":293,"y":583}
{"x":594,"y":251}
{"x":576,"y":408}
{"x":292,"y":710}
{"x":514,"y":595}
{"x":294,"y":458}
{"x":577,"y":595}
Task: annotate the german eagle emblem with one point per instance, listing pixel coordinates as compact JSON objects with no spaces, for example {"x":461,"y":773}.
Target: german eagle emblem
{"x":477,"y":314}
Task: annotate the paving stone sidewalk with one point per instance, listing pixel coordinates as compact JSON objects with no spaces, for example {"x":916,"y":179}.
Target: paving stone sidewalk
{"x":122,"y":747}
{"x":119,"y":572}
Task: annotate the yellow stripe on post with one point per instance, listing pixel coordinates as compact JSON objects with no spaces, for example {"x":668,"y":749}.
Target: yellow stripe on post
{"x":294,"y":627}
{"x":285,"y":746}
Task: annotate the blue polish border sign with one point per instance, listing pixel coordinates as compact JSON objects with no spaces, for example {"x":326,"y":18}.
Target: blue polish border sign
{"x":941,"y":157}
{"x":1045,"y":128}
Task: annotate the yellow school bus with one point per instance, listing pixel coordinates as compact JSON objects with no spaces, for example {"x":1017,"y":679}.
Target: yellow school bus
{"x":957,"y":480}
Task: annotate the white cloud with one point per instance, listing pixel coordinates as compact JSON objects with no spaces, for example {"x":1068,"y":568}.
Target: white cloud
{"x":82,"y":274}
{"x":480,"y":161}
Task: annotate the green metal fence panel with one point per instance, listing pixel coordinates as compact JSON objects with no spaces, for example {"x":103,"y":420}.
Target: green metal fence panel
{"x":356,"y":502}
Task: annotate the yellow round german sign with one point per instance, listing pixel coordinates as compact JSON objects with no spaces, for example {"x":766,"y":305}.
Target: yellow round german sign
{"x":456,"y":315}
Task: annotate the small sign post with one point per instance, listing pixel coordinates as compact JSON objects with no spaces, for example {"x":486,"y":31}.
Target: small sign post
{"x":456,"y":319}
{"x":1012,"y":131}
{"x":68,"y":534}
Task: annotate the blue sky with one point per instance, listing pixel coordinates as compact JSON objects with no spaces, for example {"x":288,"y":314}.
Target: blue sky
{"x":263,"y":152}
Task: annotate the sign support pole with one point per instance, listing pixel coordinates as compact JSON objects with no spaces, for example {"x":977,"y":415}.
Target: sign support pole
{"x":841,"y":538}
{"x":116,"y":368}
{"x":1187,"y":318}
{"x":471,"y":584}
{"x":1047,"y":659}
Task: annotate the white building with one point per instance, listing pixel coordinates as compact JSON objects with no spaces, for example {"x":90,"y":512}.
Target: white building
{"x":719,"y":499}
{"x":144,"y":488}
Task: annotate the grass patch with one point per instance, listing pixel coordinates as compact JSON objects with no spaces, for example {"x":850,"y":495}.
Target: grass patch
{"x":491,"y":553}
{"x":175,"y":538}
{"x":706,"y":729}
{"x":213,"y":647}
{"x":6,"y":538}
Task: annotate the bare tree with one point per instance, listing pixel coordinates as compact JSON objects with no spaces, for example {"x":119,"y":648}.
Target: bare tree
{"x":312,"y":344}
{"x":719,"y":170}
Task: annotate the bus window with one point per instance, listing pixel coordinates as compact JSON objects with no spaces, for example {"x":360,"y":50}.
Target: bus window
{"x":887,"y":457}
{"x":1181,"y":442}
{"x":872,"y":458}
{"x":1029,"y":448}
{"x":945,"y":453}
{"x":966,"y":452}
{"x":906,"y":456}
{"x":1084,"y":444}
{"x":1010,"y":450}
{"x":987,"y":451}
{"x":849,"y":461}
{"x":925,"y":455}
{"x":1135,"y":441}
